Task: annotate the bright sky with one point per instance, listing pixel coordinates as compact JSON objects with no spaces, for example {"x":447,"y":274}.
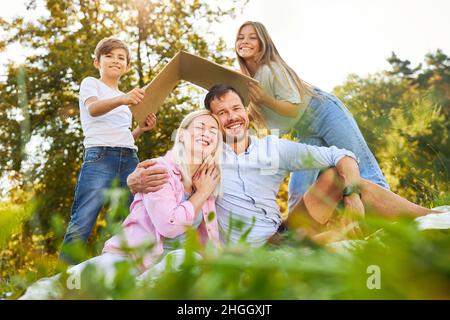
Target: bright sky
{"x":325,"y":40}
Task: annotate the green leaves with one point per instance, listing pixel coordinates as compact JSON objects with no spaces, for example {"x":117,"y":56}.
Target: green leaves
{"x":60,"y":48}
{"x":39,"y":100}
{"x":404,"y":117}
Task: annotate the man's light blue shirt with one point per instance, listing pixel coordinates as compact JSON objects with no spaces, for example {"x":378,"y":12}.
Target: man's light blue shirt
{"x":252,"y":179}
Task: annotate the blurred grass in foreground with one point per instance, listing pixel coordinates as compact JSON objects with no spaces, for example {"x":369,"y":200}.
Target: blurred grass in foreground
{"x":413,"y":264}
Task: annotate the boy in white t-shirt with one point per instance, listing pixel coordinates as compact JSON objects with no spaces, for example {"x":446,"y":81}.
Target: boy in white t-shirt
{"x":110,"y":151}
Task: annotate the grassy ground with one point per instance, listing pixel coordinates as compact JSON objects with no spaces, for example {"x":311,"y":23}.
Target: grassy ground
{"x":397,"y":262}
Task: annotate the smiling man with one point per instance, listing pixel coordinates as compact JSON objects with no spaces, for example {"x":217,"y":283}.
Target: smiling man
{"x":227,"y":105}
{"x":253,"y":169}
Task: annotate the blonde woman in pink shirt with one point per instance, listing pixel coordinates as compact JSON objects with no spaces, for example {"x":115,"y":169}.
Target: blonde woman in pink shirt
{"x":158,"y":220}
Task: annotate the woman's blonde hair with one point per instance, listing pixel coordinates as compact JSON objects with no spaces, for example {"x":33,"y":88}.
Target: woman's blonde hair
{"x":269,"y":54}
{"x":181,"y":158}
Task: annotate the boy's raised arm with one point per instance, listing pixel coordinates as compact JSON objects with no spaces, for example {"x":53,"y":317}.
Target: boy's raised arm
{"x":97,"y":107}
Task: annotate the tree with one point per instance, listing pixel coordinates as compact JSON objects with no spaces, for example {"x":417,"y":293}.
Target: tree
{"x":404,"y":116}
{"x":38,"y":100}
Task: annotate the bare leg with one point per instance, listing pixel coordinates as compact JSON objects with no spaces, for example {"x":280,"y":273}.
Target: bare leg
{"x":388,"y":204}
{"x":318,"y":204}
{"x":302,"y":222}
{"x":322,"y":198}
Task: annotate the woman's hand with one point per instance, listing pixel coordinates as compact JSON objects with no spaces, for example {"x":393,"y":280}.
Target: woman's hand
{"x":205,"y":180}
{"x":257,"y":94}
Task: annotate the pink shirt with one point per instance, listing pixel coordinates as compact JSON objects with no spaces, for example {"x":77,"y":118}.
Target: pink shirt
{"x":162,"y":214}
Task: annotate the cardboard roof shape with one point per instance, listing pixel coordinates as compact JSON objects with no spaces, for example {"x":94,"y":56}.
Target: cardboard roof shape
{"x":192,"y":68}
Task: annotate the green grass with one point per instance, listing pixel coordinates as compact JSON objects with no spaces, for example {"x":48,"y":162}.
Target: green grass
{"x":412,"y":264}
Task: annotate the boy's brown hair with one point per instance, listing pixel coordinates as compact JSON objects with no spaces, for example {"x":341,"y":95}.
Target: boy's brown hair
{"x":106,"y":45}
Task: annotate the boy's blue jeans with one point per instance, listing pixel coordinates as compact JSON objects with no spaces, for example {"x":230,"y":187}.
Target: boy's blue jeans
{"x":328,"y":122}
{"x":101,"y":165}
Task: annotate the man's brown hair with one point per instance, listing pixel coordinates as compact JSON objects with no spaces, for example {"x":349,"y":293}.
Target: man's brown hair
{"x":106,"y":45}
{"x":217,"y":91}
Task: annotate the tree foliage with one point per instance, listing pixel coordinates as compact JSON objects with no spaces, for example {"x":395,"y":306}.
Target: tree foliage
{"x":404,"y":115}
{"x":38,"y":100}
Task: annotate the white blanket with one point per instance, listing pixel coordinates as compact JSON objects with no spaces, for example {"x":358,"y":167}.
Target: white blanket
{"x":435,"y":220}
